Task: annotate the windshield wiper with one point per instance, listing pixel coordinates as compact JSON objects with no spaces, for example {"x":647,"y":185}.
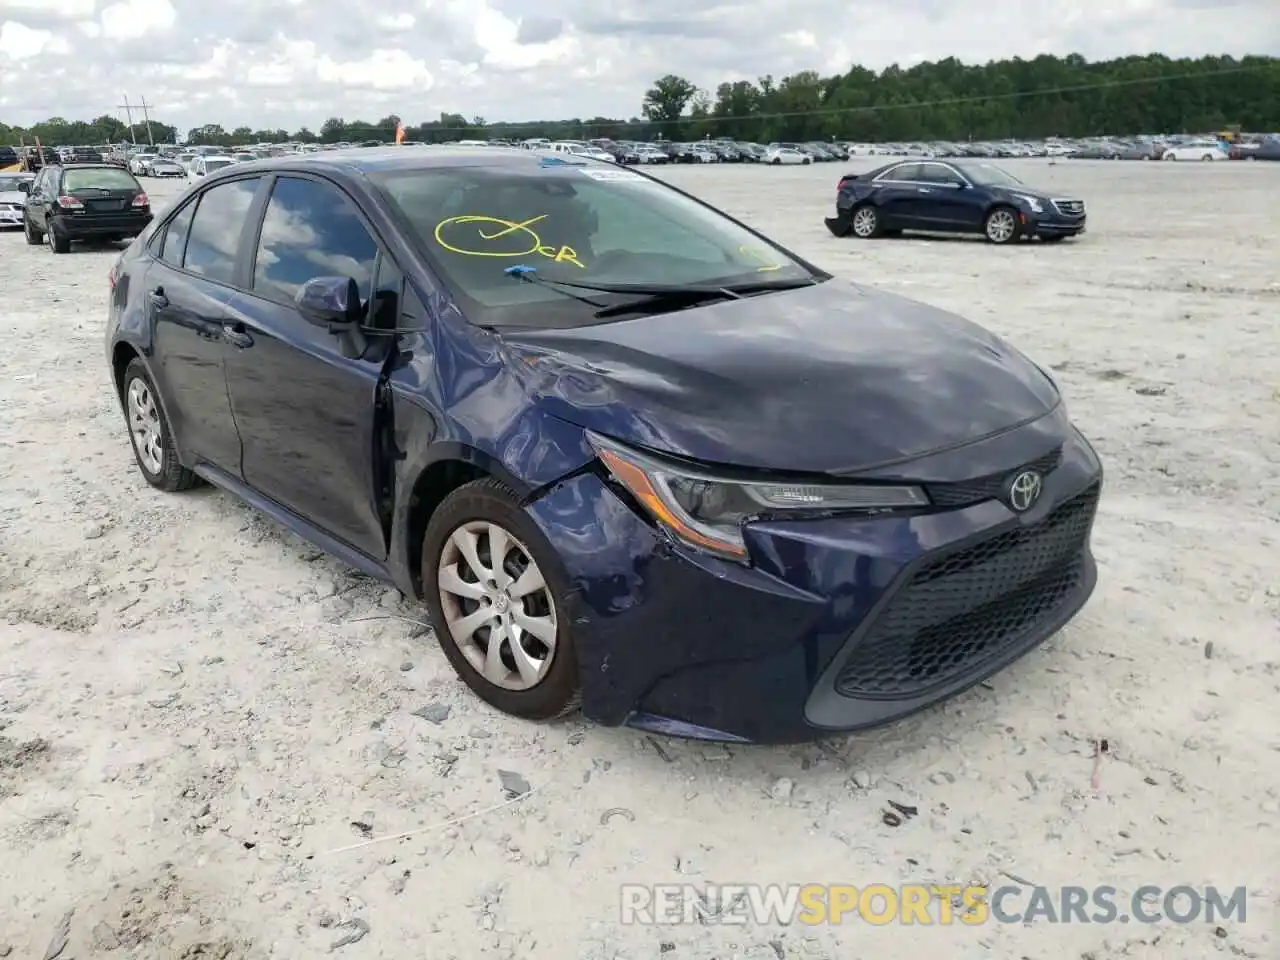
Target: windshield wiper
{"x":654,"y":295}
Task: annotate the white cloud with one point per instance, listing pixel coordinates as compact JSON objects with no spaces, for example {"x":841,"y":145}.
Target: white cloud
{"x":396,"y":21}
{"x":295,"y":62}
{"x":20,"y":42}
{"x":136,"y":18}
{"x":59,"y":9}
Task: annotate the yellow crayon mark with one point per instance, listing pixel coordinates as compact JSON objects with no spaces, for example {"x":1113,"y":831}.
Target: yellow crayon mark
{"x":506,"y":228}
{"x":761,"y":255}
{"x":511,"y":229}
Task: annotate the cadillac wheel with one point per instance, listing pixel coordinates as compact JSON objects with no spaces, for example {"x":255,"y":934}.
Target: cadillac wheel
{"x":1002,"y":226}
{"x":866,"y":222}
{"x":497,"y":593}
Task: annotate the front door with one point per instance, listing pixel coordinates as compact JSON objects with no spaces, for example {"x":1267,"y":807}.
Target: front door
{"x":305,"y":411}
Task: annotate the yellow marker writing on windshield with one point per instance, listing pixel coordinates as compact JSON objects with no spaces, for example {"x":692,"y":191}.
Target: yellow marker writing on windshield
{"x":525,"y":240}
{"x":761,"y":255}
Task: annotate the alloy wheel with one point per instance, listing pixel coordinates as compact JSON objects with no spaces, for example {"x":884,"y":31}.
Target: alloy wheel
{"x":497,"y":605}
{"x":864,"y":222}
{"x":1001,"y":226}
{"x":144,"y":425}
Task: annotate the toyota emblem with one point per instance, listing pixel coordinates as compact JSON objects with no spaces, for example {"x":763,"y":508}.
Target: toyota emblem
{"x":1025,"y":491}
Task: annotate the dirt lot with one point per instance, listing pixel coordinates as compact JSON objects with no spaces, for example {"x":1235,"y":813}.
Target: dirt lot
{"x":196,"y":709}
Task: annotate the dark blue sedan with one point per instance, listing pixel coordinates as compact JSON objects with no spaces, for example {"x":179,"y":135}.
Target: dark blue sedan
{"x":949,"y":197}
{"x":632,"y":455}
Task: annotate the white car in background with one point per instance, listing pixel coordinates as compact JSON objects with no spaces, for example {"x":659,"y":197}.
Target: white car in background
{"x":12,"y":198}
{"x":786,"y":155}
{"x":166,"y":167}
{"x":1197,"y":150}
{"x":597,"y":153}
{"x":203,"y":166}
{"x":140,"y":164}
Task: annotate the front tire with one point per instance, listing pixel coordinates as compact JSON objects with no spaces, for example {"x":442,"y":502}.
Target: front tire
{"x":149,"y":433}
{"x":1002,"y":225}
{"x":502,"y":620}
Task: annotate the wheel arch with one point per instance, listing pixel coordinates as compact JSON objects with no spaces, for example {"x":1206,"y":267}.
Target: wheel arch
{"x":451,"y":467}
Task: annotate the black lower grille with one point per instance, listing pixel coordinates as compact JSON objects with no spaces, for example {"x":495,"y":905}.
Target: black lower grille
{"x":991,"y":487}
{"x":968,"y":607}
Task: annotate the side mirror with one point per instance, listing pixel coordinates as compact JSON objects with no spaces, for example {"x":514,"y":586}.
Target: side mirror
{"x":329,"y":302}
{"x":334,"y":303}
{"x":24,"y":186}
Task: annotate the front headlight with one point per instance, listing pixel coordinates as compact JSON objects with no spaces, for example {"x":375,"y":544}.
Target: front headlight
{"x":707,"y":512}
{"x":1035,"y":205}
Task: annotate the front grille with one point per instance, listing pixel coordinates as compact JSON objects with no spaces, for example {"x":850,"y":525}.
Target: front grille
{"x":1069,"y":208}
{"x":991,"y":487}
{"x":966,"y":608}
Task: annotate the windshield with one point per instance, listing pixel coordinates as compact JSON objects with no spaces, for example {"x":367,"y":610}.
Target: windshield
{"x":10,"y":184}
{"x":211,"y":165}
{"x":989,"y":175}
{"x":98,"y":178}
{"x":575,"y":223}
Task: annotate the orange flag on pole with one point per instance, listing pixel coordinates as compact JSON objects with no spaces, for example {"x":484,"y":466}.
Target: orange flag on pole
{"x":399,"y":131}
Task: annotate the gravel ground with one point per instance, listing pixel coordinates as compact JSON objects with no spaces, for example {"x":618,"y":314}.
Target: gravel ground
{"x":198,"y":710}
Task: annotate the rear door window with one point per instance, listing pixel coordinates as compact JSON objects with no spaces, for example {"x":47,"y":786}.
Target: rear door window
{"x":311,"y":230}
{"x":213,"y":239}
{"x":175,"y":236}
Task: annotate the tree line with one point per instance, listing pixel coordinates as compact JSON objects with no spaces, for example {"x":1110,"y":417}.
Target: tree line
{"x":947,"y":100}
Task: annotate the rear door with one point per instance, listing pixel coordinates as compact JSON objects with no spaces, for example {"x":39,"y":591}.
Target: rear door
{"x":305,"y":411}
{"x":188,"y":287}
{"x":897,"y":196}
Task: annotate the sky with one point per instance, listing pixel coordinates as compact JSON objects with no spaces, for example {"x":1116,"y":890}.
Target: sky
{"x":292,"y":63}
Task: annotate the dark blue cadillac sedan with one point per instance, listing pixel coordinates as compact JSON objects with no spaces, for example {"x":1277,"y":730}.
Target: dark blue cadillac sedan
{"x":632,"y":455}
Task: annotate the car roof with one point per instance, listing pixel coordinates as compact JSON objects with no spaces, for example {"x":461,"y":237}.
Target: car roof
{"x":366,"y":160}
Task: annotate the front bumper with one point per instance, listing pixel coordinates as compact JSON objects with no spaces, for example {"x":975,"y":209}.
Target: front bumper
{"x":78,"y":226}
{"x":840,"y":624}
{"x":10,"y":215}
{"x":1052,"y":225}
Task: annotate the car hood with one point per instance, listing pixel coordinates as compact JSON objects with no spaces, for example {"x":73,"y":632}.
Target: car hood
{"x":833,"y":378}
{"x":13,"y":196}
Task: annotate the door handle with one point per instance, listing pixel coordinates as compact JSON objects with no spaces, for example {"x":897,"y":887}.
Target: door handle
{"x":157,"y":298}
{"x":924,"y":190}
{"x":235,"y":334}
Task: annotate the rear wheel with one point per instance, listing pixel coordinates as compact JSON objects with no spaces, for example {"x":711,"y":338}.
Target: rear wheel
{"x":1207,"y":156}
{"x":498,"y":596}
{"x":865,"y":222}
{"x":153,"y":446}
{"x":56,"y":243}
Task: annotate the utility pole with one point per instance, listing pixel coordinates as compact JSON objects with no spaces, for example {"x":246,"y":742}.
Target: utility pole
{"x":128,"y":112}
{"x":146,"y":114}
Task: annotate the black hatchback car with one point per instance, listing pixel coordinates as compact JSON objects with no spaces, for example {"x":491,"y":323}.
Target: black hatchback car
{"x":84,"y":201}
{"x":951,"y":197}
{"x":630,"y":453}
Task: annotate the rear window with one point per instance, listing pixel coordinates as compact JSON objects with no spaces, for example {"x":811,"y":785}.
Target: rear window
{"x":211,"y":165}
{"x":98,"y":178}
{"x":574,"y":222}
